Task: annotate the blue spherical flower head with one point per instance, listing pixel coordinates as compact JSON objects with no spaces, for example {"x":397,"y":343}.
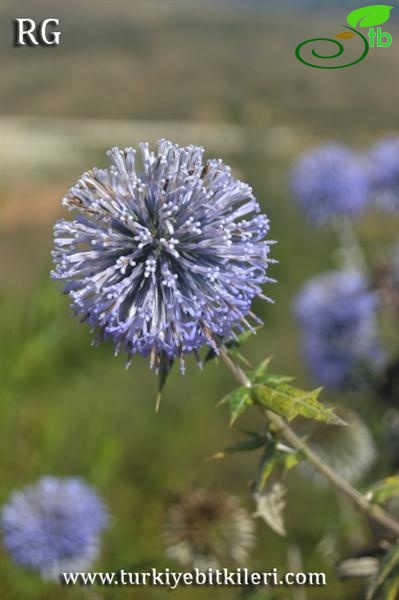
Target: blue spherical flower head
{"x":54,"y":526}
{"x":337,"y":315}
{"x":384,"y":167}
{"x":330,"y":181}
{"x":167,"y":251}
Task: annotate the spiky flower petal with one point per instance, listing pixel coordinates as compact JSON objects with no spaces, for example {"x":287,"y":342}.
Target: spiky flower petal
{"x":163,"y":257}
{"x":54,"y":526}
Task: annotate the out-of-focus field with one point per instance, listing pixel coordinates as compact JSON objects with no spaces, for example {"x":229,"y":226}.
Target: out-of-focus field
{"x":222,"y":76}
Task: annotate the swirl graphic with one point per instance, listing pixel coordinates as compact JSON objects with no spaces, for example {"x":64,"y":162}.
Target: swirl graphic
{"x":339,"y":52}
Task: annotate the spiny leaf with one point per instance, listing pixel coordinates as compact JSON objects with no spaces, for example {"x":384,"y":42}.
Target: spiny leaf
{"x":273,"y":459}
{"x":244,"y":337}
{"x":238,"y":401}
{"x":289,"y":401}
{"x":210,"y":355}
{"x":389,"y":565}
{"x":259,"y":375}
{"x":267,"y":465}
{"x":236,"y":355}
{"x":253,"y":434}
{"x":369,"y":16}
{"x":289,"y":461}
{"x":385,"y":489}
{"x":254,"y":443}
{"x":273,"y":379}
{"x":165,"y":367}
{"x":261,"y":369}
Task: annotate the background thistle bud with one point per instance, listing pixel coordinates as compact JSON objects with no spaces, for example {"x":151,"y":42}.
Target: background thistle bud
{"x":208,"y":530}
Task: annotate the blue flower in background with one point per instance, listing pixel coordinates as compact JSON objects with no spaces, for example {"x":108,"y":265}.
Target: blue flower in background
{"x":54,"y":526}
{"x":165,"y":258}
{"x":329,"y":181}
{"x":384,"y":166}
{"x":337,"y":315}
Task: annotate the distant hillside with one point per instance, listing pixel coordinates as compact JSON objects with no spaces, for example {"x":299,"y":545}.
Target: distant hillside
{"x":187,"y":61}
{"x":315,"y":6}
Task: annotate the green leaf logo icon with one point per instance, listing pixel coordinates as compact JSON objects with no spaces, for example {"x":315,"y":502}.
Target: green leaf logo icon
{"x":369,"y":16}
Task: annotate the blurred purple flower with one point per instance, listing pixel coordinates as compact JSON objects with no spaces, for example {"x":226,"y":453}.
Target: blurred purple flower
{"x":164,"y":259}
{"x":330,"y":180}
{"x":337,"y":315}
{"x":384,"y":166}
{"x":54,"y":526}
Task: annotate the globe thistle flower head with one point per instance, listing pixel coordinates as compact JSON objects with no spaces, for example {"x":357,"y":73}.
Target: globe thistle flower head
{"x":350,"y":450}
{"x":384,"y":167}
{"x":53,"y":526}
{"x":165,"y":257}
{"x":208,"y":530}
{"x":337,"y":316}
{"x":330,"y":181}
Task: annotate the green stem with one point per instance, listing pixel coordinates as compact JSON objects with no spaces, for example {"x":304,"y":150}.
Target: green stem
{"x":353,"y":253}
{"x":373,"y":511}
{"x":295,"y":565}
